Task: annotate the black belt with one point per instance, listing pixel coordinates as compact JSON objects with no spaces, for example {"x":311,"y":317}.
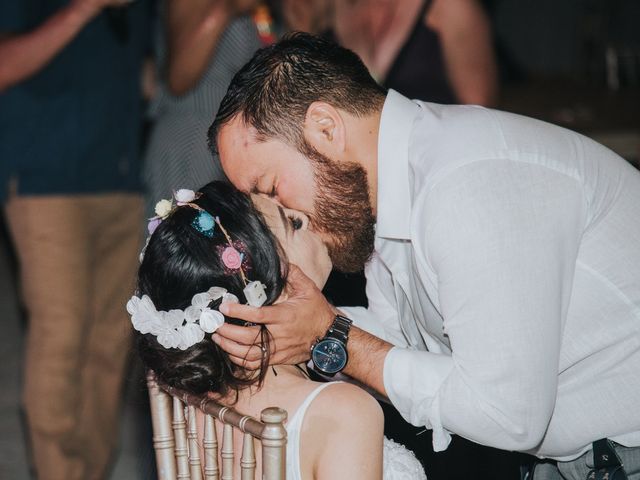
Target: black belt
{"x":606,"y":464}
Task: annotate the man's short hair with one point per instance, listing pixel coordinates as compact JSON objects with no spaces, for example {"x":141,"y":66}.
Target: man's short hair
{"x":273,"y":91}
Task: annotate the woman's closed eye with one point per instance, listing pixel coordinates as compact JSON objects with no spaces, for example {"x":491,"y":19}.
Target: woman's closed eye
{"x":296,"y":222}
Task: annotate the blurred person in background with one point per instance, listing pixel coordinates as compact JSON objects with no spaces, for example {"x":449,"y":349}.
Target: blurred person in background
{"x":69,"y":145}
{"x":311,"y":16}
{"x":432,"y":50}
{"x":200,"y":44}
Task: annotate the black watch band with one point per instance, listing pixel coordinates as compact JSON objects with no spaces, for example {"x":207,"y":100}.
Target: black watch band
{"x":339,"y":329}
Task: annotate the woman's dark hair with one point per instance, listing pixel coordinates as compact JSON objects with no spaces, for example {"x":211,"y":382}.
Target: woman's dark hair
{"x":273,"y":91}
{"x":180,"y":262}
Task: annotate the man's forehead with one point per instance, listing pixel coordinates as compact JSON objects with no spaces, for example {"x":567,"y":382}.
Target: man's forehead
{"x":237,"y":133}
{"x":239,"y":160}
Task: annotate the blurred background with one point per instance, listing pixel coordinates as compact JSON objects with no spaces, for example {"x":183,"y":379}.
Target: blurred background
{"x":575,"y":63}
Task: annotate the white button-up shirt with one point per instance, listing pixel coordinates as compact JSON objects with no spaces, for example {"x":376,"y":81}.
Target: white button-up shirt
{"x":507,"y":273}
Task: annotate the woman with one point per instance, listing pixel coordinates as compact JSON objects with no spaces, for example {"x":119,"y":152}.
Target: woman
{"x":432,"y":50}
{"x":222,"y":238}
{"x":200,"y":45}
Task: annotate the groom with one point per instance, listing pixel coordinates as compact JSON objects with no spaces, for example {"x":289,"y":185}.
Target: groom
{"x":502,"y":256}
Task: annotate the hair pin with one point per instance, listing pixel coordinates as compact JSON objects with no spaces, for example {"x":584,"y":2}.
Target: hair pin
{"x":255,"y":294}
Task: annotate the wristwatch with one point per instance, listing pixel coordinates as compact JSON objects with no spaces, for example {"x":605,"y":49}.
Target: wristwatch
{"x":329,"y":354}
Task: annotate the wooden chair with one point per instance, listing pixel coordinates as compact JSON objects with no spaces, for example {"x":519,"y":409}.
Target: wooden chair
{"x":175,"y":437}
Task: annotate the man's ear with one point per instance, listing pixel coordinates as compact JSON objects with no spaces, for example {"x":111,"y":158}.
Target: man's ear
{"x":324,"y":129}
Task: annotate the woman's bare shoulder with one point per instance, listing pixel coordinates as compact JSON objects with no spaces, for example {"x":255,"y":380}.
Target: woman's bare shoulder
{"x":348,"y":398}
{"x":345,"y":424}
{"x":342,"y":408}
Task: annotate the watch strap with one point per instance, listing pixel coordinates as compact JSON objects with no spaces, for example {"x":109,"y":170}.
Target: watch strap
{"x":339,"y":329}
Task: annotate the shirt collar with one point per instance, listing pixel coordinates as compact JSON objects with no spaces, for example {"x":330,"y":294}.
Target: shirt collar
{"x":394,"y":194}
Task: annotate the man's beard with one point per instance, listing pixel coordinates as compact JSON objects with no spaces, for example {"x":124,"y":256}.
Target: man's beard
{"x":342,"y":210}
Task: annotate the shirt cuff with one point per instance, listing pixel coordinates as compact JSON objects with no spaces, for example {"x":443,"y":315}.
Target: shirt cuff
{"x":412,"y":380}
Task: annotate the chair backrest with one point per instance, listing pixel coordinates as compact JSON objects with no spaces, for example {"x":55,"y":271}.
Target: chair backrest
{"x":175,"y":439}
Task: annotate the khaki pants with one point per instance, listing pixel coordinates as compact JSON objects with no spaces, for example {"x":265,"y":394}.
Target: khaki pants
{"x":78,"y":256}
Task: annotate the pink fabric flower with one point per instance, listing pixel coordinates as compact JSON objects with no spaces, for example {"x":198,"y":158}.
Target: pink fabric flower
{"x":231,"y":258}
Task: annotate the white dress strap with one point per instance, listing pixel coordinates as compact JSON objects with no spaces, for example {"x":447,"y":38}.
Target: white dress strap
{"x":294,"y":427}
{"x":399,"y":463}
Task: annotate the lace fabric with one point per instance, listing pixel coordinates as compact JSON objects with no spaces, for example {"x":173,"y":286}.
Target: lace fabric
{"x":399,"y":463}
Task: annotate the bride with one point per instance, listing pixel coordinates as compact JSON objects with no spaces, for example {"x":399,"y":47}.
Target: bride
{"x":220,"y":245}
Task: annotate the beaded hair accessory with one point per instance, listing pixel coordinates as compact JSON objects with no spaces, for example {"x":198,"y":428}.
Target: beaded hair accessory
{"x":184,"y":328}
{"x":233,"y":254}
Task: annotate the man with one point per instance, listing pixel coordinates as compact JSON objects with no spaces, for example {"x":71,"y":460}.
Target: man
{"x":69,"y":141}
{"x":504,"y":299}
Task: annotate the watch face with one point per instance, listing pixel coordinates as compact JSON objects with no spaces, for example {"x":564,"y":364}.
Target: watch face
{"x":329,"y":356}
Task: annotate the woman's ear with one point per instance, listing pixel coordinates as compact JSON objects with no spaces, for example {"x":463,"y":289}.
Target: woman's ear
{"x":324,"y":129}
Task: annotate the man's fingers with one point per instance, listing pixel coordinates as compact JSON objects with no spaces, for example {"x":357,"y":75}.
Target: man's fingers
{"x":250,"y":353}
{"x":242,"y":335}
{"x":241,"y":362}
{"x":242,"y":312}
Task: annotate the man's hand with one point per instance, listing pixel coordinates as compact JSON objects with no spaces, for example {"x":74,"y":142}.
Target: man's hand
{"x":294,"y":324}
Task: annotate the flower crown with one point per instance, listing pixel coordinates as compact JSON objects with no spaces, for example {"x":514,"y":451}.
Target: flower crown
{"x":184,"y":328}
{"x":179,"y":328}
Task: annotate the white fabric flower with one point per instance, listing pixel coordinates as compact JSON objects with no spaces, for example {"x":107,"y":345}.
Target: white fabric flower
{"x":184,"y":195}
{"x":201,"y":300}
{"x":163,"y":208}
{"x":168,"y":335}
{"x":230,"y":298}
{"x":178,"y":328}
{"x":173,"y":318}
{"x":216,"y":292}
{"x":144,"y":315}
{"x":169,"y":338}
{"x":132,"y":304}
{"x":190,"y":334}
{"x":210,"y":320}
{"x":192,"y":313}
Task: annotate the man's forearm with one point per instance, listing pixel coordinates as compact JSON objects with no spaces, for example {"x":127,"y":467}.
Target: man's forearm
{"x":23,"y":55}
{"x":366,"y":359}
